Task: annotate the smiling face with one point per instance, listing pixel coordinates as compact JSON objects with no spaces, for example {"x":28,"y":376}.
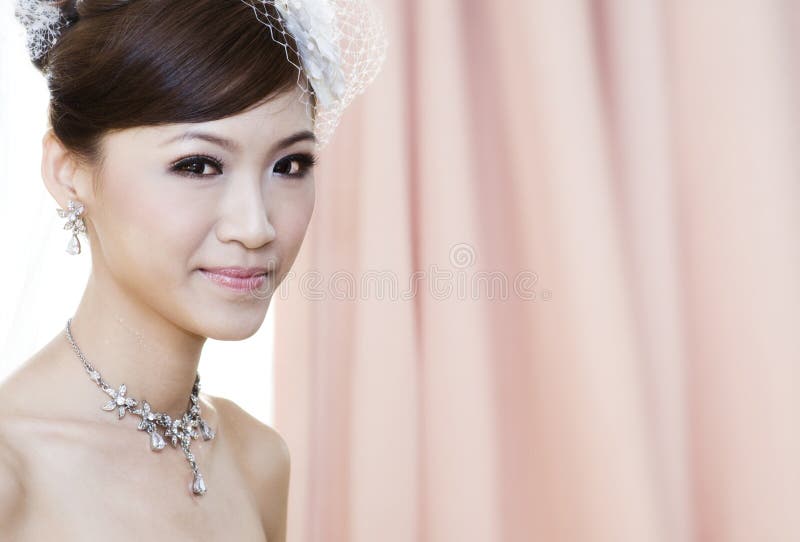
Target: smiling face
{"x":178,"y":199}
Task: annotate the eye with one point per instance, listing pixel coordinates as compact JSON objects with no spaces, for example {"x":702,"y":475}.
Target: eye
{"x":295,"y":165}
{"x":195,"y":166}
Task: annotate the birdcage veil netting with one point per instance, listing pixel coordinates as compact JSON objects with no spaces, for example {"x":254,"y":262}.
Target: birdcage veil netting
{"x":341,"y":44}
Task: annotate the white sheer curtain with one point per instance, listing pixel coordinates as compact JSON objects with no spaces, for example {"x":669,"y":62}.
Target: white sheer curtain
{"x":40,"y":284}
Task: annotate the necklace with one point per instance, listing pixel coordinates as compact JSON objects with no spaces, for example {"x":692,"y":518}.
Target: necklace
{"x":178,"y":431}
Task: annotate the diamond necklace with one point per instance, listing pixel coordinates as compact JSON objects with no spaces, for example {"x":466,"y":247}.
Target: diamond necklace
{"x":181,"y":430}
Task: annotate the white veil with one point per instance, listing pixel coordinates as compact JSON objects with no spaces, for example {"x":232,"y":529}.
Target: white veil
{"x":40,"y":284}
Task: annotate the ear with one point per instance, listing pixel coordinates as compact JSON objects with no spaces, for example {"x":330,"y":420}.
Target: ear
{"x":63,"y":176}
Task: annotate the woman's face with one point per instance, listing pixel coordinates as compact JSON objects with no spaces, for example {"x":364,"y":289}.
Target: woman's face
{"x":176,"y":200}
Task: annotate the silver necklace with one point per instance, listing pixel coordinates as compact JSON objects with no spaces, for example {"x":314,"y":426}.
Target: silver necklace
{"x":178,"y":431}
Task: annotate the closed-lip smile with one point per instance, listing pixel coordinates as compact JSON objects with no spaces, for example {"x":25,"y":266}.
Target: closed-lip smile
{"x":236,"y":272}
{"x":238,"y":279}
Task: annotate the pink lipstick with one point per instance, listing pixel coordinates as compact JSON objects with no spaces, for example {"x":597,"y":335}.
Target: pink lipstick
{"x":238,"y":279}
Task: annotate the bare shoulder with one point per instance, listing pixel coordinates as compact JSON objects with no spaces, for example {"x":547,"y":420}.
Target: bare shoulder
{"x":12,"y":465}
{"x":265,"y":457}
{"x":12,"y":487}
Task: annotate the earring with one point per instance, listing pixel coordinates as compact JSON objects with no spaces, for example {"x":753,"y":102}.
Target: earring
{"x":74,"y":223}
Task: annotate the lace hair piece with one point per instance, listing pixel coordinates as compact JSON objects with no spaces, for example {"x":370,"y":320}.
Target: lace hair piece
{"x":341,"y":45}
{"x":43,"y":21}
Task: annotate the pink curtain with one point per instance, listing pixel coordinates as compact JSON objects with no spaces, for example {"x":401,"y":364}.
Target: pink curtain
{"x":630,"y":172}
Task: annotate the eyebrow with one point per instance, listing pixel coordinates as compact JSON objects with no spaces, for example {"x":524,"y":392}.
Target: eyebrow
{"x":232,"y":146}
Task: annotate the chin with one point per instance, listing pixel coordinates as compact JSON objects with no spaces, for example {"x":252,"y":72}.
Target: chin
{"x":234,"y":323}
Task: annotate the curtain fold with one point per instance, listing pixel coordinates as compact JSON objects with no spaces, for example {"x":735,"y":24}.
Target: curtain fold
{"x":735,"y":135}
{"x":550,"y":288}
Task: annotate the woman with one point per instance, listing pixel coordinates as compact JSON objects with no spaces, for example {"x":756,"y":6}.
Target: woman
{"x":182,"y":144}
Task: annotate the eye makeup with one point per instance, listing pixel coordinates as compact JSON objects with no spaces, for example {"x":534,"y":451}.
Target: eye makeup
{"x":295,"y":165}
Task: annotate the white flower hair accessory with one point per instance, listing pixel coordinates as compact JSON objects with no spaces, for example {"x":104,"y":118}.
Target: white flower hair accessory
{"x":312,"y":24}
{"x":341,"y":46}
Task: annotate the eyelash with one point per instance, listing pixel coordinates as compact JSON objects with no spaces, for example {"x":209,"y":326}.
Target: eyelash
{"x":307,"y":162}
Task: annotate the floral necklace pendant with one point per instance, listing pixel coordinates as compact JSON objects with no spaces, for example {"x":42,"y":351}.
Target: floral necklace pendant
{"x":177,"y":432}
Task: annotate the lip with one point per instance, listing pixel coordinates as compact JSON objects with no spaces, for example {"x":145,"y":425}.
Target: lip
{"x":238,"y":279}
{"x":236,"y":272}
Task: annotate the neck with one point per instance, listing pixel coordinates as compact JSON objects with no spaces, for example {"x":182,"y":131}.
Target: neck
{"x":129,"y":343}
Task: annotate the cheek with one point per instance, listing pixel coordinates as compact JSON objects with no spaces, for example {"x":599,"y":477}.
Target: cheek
{"x":290,"y":215}
{"x":148,"y":228}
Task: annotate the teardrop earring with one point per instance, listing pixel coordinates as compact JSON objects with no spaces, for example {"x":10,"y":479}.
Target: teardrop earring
{"x":74,"y":223}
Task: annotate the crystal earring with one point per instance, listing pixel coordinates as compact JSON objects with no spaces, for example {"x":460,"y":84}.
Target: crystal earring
{"x":74,"y":223}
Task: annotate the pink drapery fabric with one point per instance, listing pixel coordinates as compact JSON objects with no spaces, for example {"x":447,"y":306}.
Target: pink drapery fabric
{"x":640,"y":158}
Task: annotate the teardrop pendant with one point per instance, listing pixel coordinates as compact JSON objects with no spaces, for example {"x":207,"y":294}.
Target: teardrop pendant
{"x":156,"y":441}
{"x":74,"y":245}
{"x":198,"y":485}
{"x":206,"y":430}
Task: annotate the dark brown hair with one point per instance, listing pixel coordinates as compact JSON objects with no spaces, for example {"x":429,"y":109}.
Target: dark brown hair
{"x":129,"y":63}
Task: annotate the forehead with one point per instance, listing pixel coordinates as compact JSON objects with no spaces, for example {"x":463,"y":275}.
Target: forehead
{"x":287,"y":110}
{"x":272,"y":120}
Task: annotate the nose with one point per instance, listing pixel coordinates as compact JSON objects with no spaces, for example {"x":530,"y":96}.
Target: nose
{"x":244,"y":216}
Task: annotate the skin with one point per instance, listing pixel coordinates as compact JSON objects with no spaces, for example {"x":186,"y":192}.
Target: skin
{"x":69,"y":468}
